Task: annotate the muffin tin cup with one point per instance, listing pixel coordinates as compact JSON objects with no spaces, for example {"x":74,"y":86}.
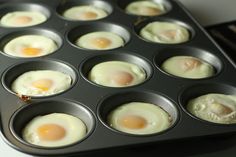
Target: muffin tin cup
{"x":90,"y":62}
{"x":81,"y":30}
{"x":65,"y":5}
{"x":11,"y":7}
{"x":197,"y":90}
{"x":111,"y":102}
{"x":42,"y":32}
{"x":142,"y":23}
{"x":208,"y":57}
{"x":123,"y":4}
{"x":26,"y":113}
{"x":16,"y":70}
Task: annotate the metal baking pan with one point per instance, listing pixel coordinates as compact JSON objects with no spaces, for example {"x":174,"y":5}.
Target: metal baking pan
{"x":89,"y":101}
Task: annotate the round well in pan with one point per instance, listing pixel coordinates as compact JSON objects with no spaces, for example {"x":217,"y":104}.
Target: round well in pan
{"x":109,"y":103}
{"x":26,"y":113}
{"x":18,"y":69}
{"x":201,"y":54}
{"x":89,"y":63}
{"x":81,"y":30}
{"x":39,"y":32}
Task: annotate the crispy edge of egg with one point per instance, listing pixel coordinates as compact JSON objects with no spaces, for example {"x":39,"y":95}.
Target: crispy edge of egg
{"x":151,"y":32}
{"x":172,"y":66}
{"x":96,"y":73}
{"x":199,"y":107}
{"x":116,"y":40}
{"x":23,"y":83}
{"x":154,"y":113}
{"x":37,"y":18}
{"x":47,"y":44}
{"x":29,"y":132}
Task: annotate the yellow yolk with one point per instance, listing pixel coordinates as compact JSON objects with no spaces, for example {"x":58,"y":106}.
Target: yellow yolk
{"x":149,"y":11}
{"x":101,"y":42}
{"x":30,"y":51}
{"x":21,"y":20}
{"x":122,"y":78}
{"x":169,"y":34}
{"x":87,"y":15}
{"x":133,"y":122}
{"x":51,"y":132}
{"x":190,"y":63}
{"x":220,"y":109}
{"x":43,"y":84}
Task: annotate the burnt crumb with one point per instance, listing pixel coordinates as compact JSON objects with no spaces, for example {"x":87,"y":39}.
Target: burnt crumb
{"x":24,"y":98}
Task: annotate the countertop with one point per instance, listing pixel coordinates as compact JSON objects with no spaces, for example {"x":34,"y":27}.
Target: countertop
{"x":207,"y":12}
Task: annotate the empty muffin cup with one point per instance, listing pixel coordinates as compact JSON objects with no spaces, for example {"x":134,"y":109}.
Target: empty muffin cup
{"x":99,"y":36}
{"x":145,"y":7}
{"x":164,"y":31}
{"x":23,"y":15}
{"x":138,"y":113}
{"x":79,"y":10}
{"x":52,"y":123}
{"x":189,"y":63}
{"x":30,"y":43}
{"x":116,"y":70}
{"x":39,"y":78}
{"x":214,"y":103}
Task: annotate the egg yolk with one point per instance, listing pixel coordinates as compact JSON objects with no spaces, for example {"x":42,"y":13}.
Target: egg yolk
{"x":220,"y":109}
{"x":149,"y":11}
{"x":51,"y":132}
{"x":101,"y":42}
{"x":190,"y":64}
{"x":43,"y":84}
{"x":88,"y":15}
{"x":122,"y":78}
{"x":133,"y":122}
{"x":21,"y":20}
{"x":31,"y":52}
{"x":170,"y":34}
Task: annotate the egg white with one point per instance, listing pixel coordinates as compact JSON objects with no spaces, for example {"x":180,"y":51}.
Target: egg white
{"x":14,"y":46}
{"x":73,"y":12}
{"x":23,"y":83}
{"x":157,"y":119}
{"x":85,"y":40}
{"x":74,"y":127}
{"x":134,"y":7}
{"x":203,"y":107}
{"x":101,"y":72}
{"x":173,"y":66}
{"x":8,"y":19}
{"x":154,"y":32}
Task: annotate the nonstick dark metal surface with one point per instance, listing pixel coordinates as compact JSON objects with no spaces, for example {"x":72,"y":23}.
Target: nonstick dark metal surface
{"x":90,"y":99}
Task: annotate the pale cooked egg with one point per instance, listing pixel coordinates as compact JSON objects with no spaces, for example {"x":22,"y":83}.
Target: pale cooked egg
{"x":145,"y":8}
{"x":85,"y":13}
{"x":217,"y":108}
{"x":27,"y":46}
{"x":188,"y":67}
{"x":117,"y":74}
{"x":100,"y":41}
{"x":41,"y":83}
{"x":22,"y":19}
{"x":54,"y":130}
{"x":139,"y":118}
{"x":165,"y":32}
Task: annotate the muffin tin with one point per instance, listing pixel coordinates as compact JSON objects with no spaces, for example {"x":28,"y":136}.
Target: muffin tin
{"x":92,"y":102}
